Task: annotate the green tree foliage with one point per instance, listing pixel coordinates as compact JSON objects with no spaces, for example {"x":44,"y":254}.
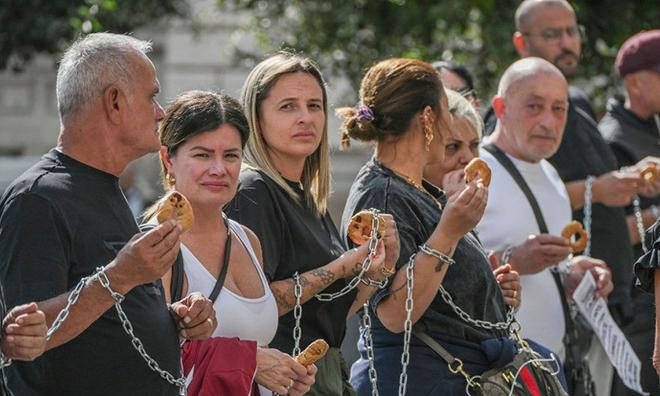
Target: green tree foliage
{"x":349,"y":36}
{"x":31,"y":26}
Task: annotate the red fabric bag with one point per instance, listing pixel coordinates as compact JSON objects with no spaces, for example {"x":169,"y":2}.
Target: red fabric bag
{"x":222,"y":366}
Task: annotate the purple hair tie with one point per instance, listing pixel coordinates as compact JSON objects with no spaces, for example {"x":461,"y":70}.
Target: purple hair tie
{"x":365,"y":113}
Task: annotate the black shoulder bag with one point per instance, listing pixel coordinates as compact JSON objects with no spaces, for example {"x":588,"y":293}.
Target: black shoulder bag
{"x":176,"y":286}
{"x":578,"y":334}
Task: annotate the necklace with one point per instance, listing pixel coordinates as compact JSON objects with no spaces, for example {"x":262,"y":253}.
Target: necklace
{"x":413,"y":183}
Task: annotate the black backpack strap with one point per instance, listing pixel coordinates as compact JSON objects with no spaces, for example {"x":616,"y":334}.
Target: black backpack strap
{"x":520,"y":181}
{"x":524,"y":187}
{"x":225,"y":264}
{"x":176,"y":284}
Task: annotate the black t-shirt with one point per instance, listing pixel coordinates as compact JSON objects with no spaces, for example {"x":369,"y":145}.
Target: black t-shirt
{"x":59,"y":221}
{"x":293,"y":238}
{"x":584,"y":152}
{"x":631,"y":139}
{"x":3,"y":312}
{"x":470,"y":281}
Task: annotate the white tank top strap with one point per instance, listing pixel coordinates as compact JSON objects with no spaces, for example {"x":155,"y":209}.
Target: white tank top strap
{"x":245,"y":240}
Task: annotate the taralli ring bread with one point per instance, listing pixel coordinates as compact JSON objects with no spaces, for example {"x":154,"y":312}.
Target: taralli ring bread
{"x":649,"y":173}
{"x":176,"y":206}
{"x":359,"y":229}
{"x":575,"y":227}
{"x":477,"y":167}
{"x":314,"y":351}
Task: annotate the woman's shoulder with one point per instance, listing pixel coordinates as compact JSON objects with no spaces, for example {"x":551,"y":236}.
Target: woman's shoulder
{"x":251,"y":176}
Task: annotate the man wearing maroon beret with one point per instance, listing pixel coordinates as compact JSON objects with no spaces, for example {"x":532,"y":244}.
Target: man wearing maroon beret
{"x":631,"y":127}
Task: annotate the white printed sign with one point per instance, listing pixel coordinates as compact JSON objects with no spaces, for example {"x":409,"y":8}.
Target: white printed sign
{"x":618,"y":349}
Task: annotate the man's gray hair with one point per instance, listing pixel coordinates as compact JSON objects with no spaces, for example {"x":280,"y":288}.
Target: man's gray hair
{"x":91,"y":64}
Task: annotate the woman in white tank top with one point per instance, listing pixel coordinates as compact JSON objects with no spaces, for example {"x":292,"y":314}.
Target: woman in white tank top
{"x":202,"y":137}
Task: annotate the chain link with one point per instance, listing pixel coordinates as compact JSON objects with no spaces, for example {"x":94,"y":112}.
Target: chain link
{"x":407,"y":325}
{"x":639,"y":220}
{"x":484,"y":324}
{"x":64,"y":313}
{"x":4,"y":361}
{"x":587,"y":213}
{"x":368,"y":343}
{"x":126,"y":324}
{"x":297,"y":314}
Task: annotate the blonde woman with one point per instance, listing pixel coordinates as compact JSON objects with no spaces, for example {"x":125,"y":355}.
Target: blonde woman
{"x":283,"y":196}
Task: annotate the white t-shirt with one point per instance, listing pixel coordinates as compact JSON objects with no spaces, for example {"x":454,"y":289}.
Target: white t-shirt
{"x":509,"y":221}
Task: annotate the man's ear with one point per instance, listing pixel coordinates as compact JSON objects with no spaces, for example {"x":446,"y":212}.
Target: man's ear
{"x":113,"y":102}
{"x":632,"y":83}
{"x":520,"y":44}
{"x":499,"y":106}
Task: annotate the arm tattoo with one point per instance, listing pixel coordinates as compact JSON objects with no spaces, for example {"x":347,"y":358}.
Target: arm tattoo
{"x":285,"y":300}
{"x":326,"y":276}
{"x":357,"y":269}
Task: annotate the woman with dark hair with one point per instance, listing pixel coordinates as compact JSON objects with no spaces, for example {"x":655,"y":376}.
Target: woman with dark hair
{"x":283,"y":197}
{"x":403,"y":109}
{"x":458,"y":78}
{"x":202,"y":137}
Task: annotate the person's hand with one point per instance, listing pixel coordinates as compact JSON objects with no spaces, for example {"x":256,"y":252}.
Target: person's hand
{"x":600,"y":271}
{"x":463,"y":210}
{"x":279,"y":372}
{"x":145,"y":258}
{"x":509,"y":281}
{"x":538,"y":253}
{"x":195,"y":316}
{"x":616,"y":188}
{"x":303,"y":384}
{"x":24,"y":333}
{"x":453,"y":181}
{"x":390,"y":238}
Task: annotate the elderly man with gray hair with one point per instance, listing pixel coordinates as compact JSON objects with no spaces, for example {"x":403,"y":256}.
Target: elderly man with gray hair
{"x":68,"y":239}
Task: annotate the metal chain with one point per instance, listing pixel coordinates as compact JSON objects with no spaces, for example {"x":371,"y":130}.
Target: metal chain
{"x":368,"y":343}
{"x":64,"y":313}
{"x":153,"y":365}
{"x":297,"y":314}
{"x":126,"y":324}
{"x":361,"y":277}
{"x":366,"y":264}
{"x":407,"y":326}
{"x":639,"y":220}
{"x":484,"y":324}
{"x":4,"y":361}
{"x":587,"y":213}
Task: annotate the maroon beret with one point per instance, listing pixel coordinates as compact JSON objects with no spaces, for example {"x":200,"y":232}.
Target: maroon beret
{"x":639,"y":52}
